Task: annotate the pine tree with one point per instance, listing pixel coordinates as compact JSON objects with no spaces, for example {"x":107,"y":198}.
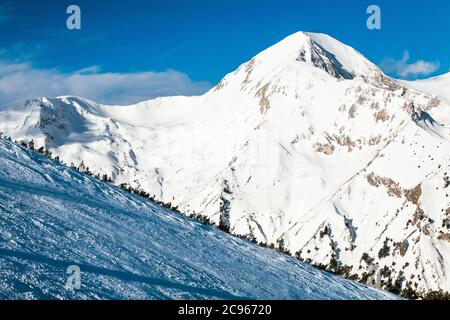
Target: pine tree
{"x":31,"y":144}
{"x":81,"y":166}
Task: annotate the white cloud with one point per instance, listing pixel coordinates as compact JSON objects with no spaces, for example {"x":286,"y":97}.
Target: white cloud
{"x":406,"y":70}
{"x":21,"y":81}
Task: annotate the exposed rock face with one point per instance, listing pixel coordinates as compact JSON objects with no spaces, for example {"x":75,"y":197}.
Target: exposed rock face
{"x":326,"y":61}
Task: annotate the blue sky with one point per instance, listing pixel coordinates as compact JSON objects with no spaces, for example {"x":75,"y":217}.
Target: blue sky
{"x":184,"y":47}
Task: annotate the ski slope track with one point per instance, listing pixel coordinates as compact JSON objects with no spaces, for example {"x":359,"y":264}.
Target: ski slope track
{"x":308,"y":147}
{"x":127,"y":247}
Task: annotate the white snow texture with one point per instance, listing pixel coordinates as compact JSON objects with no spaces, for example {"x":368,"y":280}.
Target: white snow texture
{"x":308,"y":146}
{"x":126,"y":247}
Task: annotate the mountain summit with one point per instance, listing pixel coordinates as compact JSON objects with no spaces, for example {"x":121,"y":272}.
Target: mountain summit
{"x":317,"y":50}
{"x":307,"y":147}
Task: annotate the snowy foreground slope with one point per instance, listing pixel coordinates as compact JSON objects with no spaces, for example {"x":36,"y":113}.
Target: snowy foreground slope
{"x":308,"y":147}
{"x":52,"y":217}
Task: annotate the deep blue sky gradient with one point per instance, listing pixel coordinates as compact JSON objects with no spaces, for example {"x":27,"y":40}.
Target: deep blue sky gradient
{"x":208,"y":38}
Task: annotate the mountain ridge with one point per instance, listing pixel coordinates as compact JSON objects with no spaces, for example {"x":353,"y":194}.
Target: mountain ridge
{"x":438,"y":86}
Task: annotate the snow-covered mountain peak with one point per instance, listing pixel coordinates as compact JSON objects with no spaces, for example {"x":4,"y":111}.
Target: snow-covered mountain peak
{"x":333,"y":56}
{"x":299,"y":62}
{"x":318,"y":50}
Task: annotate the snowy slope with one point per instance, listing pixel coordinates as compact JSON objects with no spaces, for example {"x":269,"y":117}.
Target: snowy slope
{"x":438,"y":86}
{"x":308,"y":147}
{"x":126,"y":247}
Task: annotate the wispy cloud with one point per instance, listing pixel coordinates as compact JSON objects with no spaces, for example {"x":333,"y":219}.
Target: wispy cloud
{"x":21,"y":81}
{"x":404,"y":69}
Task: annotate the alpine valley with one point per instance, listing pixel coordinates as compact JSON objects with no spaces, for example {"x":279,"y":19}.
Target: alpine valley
{"x":308,"y":148}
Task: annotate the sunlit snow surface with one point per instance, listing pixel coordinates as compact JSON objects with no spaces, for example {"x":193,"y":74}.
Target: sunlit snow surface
{"x":438,"y":86}
{"x":52,"y":217}
{"x":307,"y":145}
